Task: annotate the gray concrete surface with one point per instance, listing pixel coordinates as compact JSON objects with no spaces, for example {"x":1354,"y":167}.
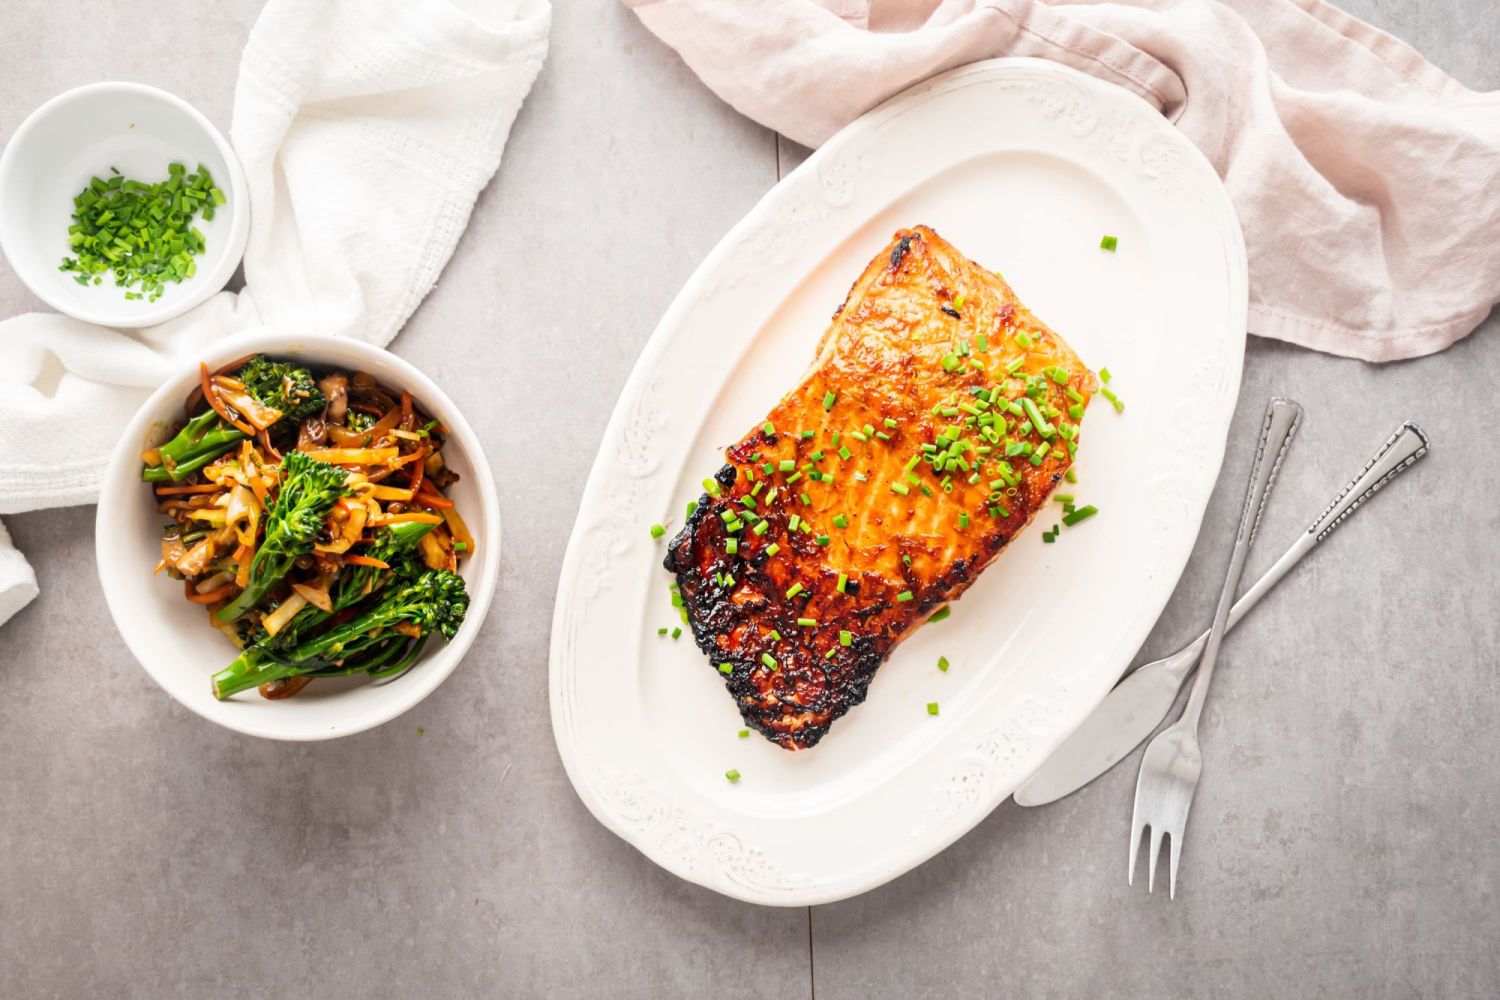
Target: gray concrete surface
{"x":1342,"y":844}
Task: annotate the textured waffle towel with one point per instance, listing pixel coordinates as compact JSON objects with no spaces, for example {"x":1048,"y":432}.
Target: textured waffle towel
{"x":1365,"y":178}
{"x":366,"y":129}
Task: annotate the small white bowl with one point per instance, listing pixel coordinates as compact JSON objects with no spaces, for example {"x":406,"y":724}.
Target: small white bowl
{"x":80,"y":134}
{"x":173,"y":639}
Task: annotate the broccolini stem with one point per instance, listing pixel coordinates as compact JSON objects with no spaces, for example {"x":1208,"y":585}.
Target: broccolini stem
{"x":202,"y":440}
{"x":251,"y":669}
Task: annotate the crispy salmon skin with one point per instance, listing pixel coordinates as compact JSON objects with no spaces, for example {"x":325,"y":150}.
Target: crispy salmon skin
{"x":936,"y":420}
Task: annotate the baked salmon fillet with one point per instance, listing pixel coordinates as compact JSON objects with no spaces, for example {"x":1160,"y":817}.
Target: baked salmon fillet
{"x":935,"y":421}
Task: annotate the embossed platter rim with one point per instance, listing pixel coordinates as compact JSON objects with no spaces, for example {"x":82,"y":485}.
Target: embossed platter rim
{"x":1023,"y":164}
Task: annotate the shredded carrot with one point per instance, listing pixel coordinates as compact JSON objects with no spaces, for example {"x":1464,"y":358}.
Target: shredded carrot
{"x":418,"y":468}
{"x":213,"y":596}
{"x":353,"y":456}
{"x":163,"y":491}
{"x":405,"y":459}
{"x":365,"y":561}
{"x":212,"y":398}
{"x":242,"y":558}
{"x":433,"y":500}
{"x":416,"y":516}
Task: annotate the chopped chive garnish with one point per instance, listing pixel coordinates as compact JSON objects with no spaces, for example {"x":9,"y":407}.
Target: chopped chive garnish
{"x":846,"y":638}
{"x":940,"y":614}
{"x":806,"y":500}
{"x":726,"y":668}
{"x":840,"y":521}
{"x":711,"y":487}
{"x":775,"y":635}
{"x":1108,"y":243}
{"x":1071,"y":476}
{"x":663,"y":630}
{"x":950,"y":362}
{"x":932,"y":708}
{"x":1105,"y":376}
{"x":1022,"y":339}
{"x":845,"y":453}
{"x":891,"y":423}
{"x":732,"y":546}
{"x":1038,"y":421}
{"x":768,"y":428}
{"x":743,"y":734}
{"x":943,"y":664}
{"x":761,"y":527}
{"x":788,"y":465}
{"x":807,"y":622}
{"x":768,"y":660}
{"x":692,"y":507}
{"x":843,"y":583}
{"x":1081,"y":514}
{"x":1063,"y":497}
{"x":677,"y":633}
{"x":823,"y":539}
{"x":732,"y":774}
{"x":829,"y":399}
{"x":963,"y":519}
{"x":794,"y":590}
{"x":903,"y":597}
{"x":1114,"y":400}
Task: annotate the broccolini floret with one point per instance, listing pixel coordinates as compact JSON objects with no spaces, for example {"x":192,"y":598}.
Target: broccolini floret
{"x":282,"y":386}
{"x":308,"y":491}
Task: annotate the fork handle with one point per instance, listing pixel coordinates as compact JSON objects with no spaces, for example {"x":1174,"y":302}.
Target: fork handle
{"x":1399,"y":453}
{"x":1282,"y":417}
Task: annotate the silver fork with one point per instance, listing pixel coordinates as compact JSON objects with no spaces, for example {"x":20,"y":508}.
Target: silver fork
{"x":1173,"y":763}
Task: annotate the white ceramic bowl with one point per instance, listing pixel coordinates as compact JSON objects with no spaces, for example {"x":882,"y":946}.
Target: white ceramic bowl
{"x":173,"y":639}
{"x":81,"y":134}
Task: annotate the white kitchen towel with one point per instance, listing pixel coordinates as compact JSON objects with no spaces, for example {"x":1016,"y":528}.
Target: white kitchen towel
{"x":1367,"y":181}
{"x":366,"y":129}
{"x":17,"y":581}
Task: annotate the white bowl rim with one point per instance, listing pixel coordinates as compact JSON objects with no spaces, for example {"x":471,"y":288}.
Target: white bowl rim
{"x":239,"y":231}
{"x":123,"y":468}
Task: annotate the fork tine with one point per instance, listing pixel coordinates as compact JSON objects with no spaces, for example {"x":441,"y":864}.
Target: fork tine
{"x":1174,"y":851}
{"x":1155,"y":851}
{"x":1135,"y":843}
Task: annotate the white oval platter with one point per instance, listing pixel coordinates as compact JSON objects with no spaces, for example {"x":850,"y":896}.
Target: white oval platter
{"x":1023,"y":165}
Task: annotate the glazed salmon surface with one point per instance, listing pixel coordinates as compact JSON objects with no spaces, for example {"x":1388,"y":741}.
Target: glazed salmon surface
{"x":879,"y":488}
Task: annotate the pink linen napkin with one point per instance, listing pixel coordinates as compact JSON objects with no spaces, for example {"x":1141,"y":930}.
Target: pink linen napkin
{"x":1367,"y":181}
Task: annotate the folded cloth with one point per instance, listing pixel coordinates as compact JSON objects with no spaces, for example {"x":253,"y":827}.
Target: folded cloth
{"x":1364,"y":177}
{"x":366,"y":129}
{"x":17,"y":581}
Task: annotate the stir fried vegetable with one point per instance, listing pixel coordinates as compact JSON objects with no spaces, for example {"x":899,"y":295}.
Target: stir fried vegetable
{"x":259,"y":396}
{"x":433,"y":602}
{"x":309,"y":489}
{"x":339,"y":556}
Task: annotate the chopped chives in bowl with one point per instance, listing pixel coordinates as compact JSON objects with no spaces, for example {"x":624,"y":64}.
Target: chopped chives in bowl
{"x":140,"y":234}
